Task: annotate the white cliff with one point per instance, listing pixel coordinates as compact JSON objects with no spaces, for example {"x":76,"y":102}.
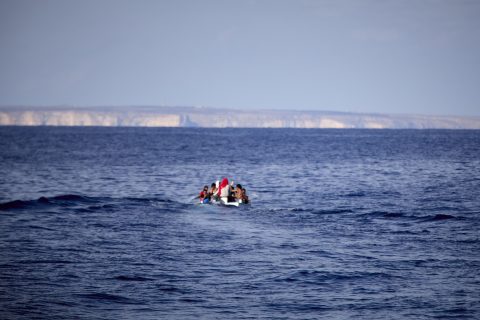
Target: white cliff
{"x":222,"y":118}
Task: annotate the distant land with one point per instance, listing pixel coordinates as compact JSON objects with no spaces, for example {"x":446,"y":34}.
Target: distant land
{"x":223,"y":118}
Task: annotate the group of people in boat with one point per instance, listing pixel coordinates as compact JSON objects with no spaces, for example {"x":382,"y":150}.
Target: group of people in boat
{"x":224,"y":192}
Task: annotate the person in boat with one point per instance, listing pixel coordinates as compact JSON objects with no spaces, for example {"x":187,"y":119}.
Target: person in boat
{"x":231,"y":196}
{"x":224,"y":190}
{"x":241,"y":194}
{"x":213,"y":190}
{"x":204,"y":196}
{"x":244,"y":196}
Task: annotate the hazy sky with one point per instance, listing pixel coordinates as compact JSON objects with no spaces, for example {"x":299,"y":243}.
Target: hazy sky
{"x":363,"y":56}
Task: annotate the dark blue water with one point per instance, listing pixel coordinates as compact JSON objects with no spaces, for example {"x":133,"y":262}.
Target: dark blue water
{"x":99,"y":223}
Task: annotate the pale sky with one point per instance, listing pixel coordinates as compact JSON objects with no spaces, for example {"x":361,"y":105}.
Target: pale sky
{"x":357,"y":56}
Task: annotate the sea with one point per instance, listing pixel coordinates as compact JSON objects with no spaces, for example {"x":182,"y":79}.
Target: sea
{"x":102,"y":223}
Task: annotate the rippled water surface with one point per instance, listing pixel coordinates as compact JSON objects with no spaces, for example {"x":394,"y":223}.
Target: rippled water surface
{"x":100,"y":223}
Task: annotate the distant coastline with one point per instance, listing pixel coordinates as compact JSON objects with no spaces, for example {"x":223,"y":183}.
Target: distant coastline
{"x":222,"y":118}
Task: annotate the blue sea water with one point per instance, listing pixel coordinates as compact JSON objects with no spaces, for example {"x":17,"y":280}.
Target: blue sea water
{"x":100,"y":223}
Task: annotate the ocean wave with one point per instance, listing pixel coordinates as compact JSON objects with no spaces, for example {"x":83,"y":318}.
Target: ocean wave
{"x":315,"y":276}
{"x":438,"y":217}
{"x":310,"y":210}
{"x":384,"y":214}
{"x":355,"y":194}
{"x":94,"y":203}
{"x":15,"y":204}
{"x":46,"y":262}
{"x":105,"y":297}
{"x":69,"y":197}
{"x":332,"y":211}
{"x":132,"y":278}
{"x":42,"y":201}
